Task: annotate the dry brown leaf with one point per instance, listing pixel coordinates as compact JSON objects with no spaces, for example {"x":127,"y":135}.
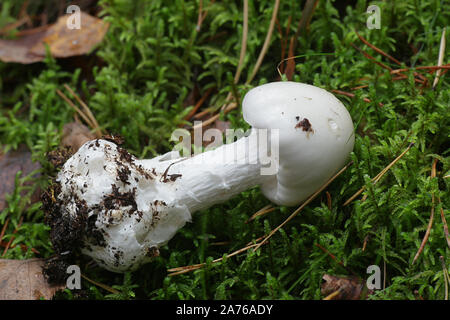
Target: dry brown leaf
{"x":10,"y":164}
{"x":75,"y":134}
{"x":23,"y":280}
{"x":62,"y":41}
{"x":347,"y":288}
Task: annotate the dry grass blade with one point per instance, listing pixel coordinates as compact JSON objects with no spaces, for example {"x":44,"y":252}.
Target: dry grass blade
{"x":2,"y":233}
{"x":311,"y":198}
{"x":332,"y":256}
{"x":261,"y":212}
{"x":444,"y":222}
{"x":368,"y":56}
{"x":446,"y":277}
{"x":332,"y":295}
{"x":266,"y":42}
{"x":199,"y":103}
{"x":87,"y":111}
{"x":329,"y":202}
{"x":12,"y":238}
{"x":71,"y":104}
{"x":377,"y":49}
{"x":440,"y":58}
{"x":307,"y":12}
{"x":207,"y":122}
{"x":387,"y":56}
{"x":430,"y":222}
{"x":352,"y":95}
{"x":432,"y":68}
{"x":243,"y":43}
{"x":101,"y":285}
{"x":379,"y":175}
{"x":185,"y":269}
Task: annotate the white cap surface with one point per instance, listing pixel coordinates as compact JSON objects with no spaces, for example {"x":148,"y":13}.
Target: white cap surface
{"x":315,"y":136}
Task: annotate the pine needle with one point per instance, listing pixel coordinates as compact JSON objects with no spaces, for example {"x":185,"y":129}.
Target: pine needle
{"x":308,"y":201}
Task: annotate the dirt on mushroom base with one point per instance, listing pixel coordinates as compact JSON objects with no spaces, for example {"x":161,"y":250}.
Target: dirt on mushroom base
{"x":70,"y":233}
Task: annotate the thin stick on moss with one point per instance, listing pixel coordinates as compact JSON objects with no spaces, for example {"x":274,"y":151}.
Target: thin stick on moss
{"x":243,"y":43}
{"x":87,"y":111}
{"x":185,"y":269}
{"x":261,"y":212}
{"x":266,"y":42}
{"x":430,"y":222}
{"x":378,"y":176}
{"x":332,"y":256}
{"x":444,"y":222}
{"x":308,"y":201}
{"x":12,"y":238}
{"x":71,"y":104}
{"x":101,"y":285}
{"x":440,"y":58}
{"x":377,"y":49}
{"x":446,"y":277}
{"x":199,"y":103}
{"x":385,"y":54}
{"x":332,"y":295}
{"x":352,"y":95}
{"x":2,"y":233}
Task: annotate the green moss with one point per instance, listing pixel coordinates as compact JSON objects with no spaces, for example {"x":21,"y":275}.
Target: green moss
{"x":151,"y":59}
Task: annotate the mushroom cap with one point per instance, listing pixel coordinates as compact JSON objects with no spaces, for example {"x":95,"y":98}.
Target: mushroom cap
{"x":315,"y":136}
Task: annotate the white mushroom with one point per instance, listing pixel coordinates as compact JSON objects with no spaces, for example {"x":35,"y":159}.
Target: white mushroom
{"x":128,"y":208}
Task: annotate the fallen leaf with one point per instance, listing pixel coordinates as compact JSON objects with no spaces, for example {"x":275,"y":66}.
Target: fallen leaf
{"x":75,"y":134}
{"x":10,"y":164}
{"x":23,"y":280}
{"x":62,"y":41}
{"x":346,"y":288}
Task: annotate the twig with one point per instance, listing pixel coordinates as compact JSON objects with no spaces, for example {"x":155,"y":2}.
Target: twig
{"x":261,"y":212}
{"x":12,"y":238}
{"x":228,"y":108}
{"x":368,"y":56}
{"x":385,"y":54}
{"x":440,"y":58}
{"x":243,"y":43}
{"x":201,"y":15}
{"x":430,"y":222}
{"x":101,"y":285}
{"x":444,"y":222}
{"x":85,"y":118}
{"x":332,"y":256}
{"x":22,"y":246}
{"x":307,"y":12}
{"x":199,"y":103}
{"x":266,"y":42}
{"x":185,"y":269}
{"x":88,"y":112}
{"x":377,"y":49}
{"x":446,"y":277}
{"x":447,"y":66}
{"x":332,"y":295}
{"x":311,"y":198}
{"x":328,"y":200}
{"x":379,"y":175}
{"x":352,"y":95}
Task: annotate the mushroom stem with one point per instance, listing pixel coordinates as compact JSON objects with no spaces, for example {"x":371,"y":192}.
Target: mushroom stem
{"x":217,"y":175}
